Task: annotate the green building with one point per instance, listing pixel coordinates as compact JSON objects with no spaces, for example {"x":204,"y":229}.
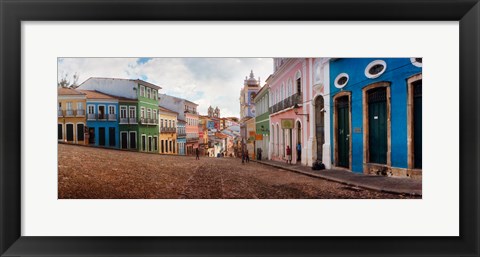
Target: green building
{"x":262,"y":122}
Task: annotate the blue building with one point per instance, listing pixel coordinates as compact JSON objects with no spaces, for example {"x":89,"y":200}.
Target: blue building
{"x":376,"y":115}
{"x":102,"y":119}
{"x":181,"y":136}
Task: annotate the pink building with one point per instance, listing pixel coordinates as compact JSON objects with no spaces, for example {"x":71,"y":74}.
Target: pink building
{"x":191,"y":127}
{"x":289,"y":115}
{"x":297,"y":91}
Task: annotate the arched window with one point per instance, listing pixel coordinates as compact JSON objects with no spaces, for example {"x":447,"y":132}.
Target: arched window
{"x":290,"y":87}
{"x":298,"y":82}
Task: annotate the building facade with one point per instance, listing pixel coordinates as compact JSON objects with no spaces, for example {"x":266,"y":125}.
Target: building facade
{"x":181,"y":137}
{"x":146,"y":97}
{"x":290,"y":95}
{"x":168,"y":131}
{"x":377,"y":115}
{"x":262,"y":122}
{"x":71,"y":122}
{"x":102,"y":119}
{"x":247,"y":108}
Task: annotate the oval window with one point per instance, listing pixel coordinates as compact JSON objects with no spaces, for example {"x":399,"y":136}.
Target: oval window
{"x":341,"y":80}
{"x":416,"y":61}
{"x":375,"y":69}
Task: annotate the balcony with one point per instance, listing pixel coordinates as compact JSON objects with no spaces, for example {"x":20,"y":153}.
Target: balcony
{"x":145,"y":121}
{"x":80,"y":113}
{"x":69,"y":113}
{"x":91,"y":116}
{"x":132,"y":120}
{"x":168,"y":129}
{"x":60,"y":113}
{"x":287,"y":103}
{"x":181,"y":134}
{"x":123,"y":120}
{"x":112,"y":117}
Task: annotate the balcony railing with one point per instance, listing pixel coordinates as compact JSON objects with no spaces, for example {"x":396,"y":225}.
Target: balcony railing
{"x":181,"y":134}
{"x":60,"y":113}
{"x":101,"y":117}
{"x":286,"y":103}
{"x":80,"y":112}
{"x":128,"y":120}
{"x":168,"y":129}
{"x":91,"y":116}
{"x":145,"y":121}
{"x":69,"y":113}
{"x":112,"y":117}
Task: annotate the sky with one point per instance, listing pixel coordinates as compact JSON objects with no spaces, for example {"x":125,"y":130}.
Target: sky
{"x":205,"y":81}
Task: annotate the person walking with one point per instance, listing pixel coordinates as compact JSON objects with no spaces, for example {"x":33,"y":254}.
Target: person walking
{"x":197,"y":154}
{"x":259,"y":155}
{"x":289,"y":154}
{"x":247,"y":157}
{"x":299,"y":151}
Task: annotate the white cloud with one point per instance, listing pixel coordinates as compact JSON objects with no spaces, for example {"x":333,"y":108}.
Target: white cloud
{"x":206,"y":81}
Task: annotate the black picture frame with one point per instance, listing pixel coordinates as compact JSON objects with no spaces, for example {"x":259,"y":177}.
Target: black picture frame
{"x":12,"y":13}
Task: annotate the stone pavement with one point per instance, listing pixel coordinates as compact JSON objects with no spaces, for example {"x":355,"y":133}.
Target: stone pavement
{"x":380,"y":183}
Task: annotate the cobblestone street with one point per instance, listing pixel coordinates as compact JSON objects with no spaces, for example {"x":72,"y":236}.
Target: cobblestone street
{"x":93,"y":173}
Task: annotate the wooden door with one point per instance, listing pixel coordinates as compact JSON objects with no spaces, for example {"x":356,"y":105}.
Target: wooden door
{"x":377,"y":125}
{"x":343,"y":132}
{"x":417,"y":124}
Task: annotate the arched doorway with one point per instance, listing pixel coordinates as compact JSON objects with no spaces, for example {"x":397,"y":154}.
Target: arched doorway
{"x":320,"y":126}
{"x":297,"y":147}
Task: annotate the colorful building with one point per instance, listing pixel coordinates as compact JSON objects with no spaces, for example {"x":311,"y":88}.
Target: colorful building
{"x":71,"y":120}
{"x":290,"y":93}
{"x":146,"y":96}
{"x":250,"y":140}
{"x":247,"y":108}
{"x":262,"y":122}
{"x":377,"y":115}
{"x":168,"y":131}
{"x":128,"y":123}
{"x":181,"y":137}
{"x":187,"y":111}
{"x":102,"y":119}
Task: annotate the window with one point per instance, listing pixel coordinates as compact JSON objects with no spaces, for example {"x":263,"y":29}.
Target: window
{"x":169,"y":123}
{"x":161,"y":123}
{"x":341,"y":80}
{"x":375,"y":69}
{"x":101,"y":112}
{"x":69,"y":105}
{"x":155,"y":143}
{"x":173,"y":123}
{"x":142,"y":112}
{"x":154,"y":94}
{"x":142,"y":91}
{"x":59,"y":105}
{"x":298,"y":82}
{"x":79,"y":106}
{"x":123,"y":112}
{"x":416,"y":62}
{"x":299,"y":85}
{"x":154,"y":115}
{"x":91,"y":109}
{"x":148,"y":93}
{"x":111,"y":109}
{"x":133,"y":112}
{"x":149,"y":113}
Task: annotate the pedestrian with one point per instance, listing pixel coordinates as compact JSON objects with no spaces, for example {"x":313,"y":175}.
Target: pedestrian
{"x":299,"y":151}
{"x":259,"y":151}
{"x":197,"y":153}
{"x":289,"y":155}
{"x":243,"y":156}
{"x":247,"y":158}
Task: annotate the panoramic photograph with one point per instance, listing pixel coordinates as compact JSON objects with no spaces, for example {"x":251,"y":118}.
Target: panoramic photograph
{"x":239,"y":128}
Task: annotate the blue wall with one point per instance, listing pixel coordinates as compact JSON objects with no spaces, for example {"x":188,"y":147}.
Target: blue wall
{"x":181,"y":151}
{"x":397,"y":72}
{"x":96,"y":124}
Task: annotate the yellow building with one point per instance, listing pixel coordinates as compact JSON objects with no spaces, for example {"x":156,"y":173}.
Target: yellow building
{"x":167,"y":131}
{"x":71,"y":116}
{"x":251,"y":137}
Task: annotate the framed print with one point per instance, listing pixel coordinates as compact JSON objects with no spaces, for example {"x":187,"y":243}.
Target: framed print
{"x":239,"y":128}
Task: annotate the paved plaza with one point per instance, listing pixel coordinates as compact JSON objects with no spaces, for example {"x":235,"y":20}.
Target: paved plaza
{"x":96,"y":173}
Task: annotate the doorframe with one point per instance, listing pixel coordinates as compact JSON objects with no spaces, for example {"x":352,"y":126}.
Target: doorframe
{"x":410,"y":125}
{"x":366,"y":144}
{"x":121,"y":141}
{"x":335,"y":127}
